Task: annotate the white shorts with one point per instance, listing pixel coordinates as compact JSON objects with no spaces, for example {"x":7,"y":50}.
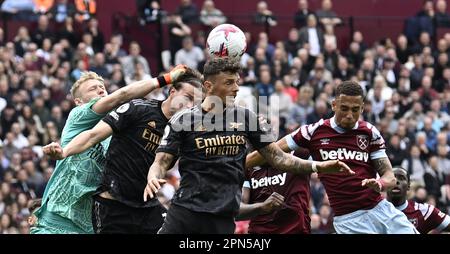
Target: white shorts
{"x":384,"y":218}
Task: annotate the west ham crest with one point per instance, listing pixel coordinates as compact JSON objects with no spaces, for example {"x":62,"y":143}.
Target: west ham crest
{"x":362,"y":141}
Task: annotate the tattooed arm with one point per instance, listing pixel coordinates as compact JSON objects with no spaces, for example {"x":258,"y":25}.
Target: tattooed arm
{"x":256,"y":159}
{"x":387,"y":179}
{"x":162,"y":163}
{"x":283,"y":161}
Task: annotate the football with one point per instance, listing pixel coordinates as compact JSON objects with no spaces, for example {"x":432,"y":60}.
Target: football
{"x":226,"y":40}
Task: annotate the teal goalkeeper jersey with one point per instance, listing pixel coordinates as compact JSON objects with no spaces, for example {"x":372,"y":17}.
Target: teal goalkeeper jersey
{"x":74,"y":180}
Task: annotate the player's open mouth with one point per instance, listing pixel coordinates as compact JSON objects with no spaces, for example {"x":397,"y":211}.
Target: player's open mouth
{"x":395,"y":190}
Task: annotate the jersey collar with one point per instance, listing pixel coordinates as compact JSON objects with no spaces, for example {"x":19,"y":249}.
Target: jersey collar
{"x":339,"y":129}
{"x":402,"y":207}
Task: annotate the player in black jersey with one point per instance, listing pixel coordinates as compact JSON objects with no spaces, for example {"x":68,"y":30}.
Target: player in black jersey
{"x":211,"y":141}
{"x":136,"y":128}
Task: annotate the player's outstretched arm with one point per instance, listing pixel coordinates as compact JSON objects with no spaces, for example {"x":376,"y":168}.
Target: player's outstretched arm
{"x":248,"y":211}
{"x":158,"y":169}
{"x":137,"y":89}
{"x":387,"y":178}
{"x":287,"y":162}
{"x":80,"y":143}
{"x":256,"y":159}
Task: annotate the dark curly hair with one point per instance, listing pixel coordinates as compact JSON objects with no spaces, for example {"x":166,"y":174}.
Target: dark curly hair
{"x":349,"y":87}
{"x":220,"y":64}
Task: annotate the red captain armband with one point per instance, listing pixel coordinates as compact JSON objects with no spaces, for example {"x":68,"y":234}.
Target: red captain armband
{"x":381,"y":183}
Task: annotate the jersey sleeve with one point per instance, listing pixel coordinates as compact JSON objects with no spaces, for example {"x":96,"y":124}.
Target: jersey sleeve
{"x":437,"y":219}
{"x":260,"y":136}
{"x":377,"y":146}
{"x":301,"y":137}
{"x":171,"y":140}
{"x":120,"y":118}
{"x":80,"y":119}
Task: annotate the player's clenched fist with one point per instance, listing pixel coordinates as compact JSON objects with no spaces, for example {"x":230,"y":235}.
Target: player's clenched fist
{"x":272,"y":203}
{"x":54,"y":150}
{"x":173,"y":76}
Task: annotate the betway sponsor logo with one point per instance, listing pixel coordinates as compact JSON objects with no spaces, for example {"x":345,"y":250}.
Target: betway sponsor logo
{"x":279,"y":179}
{"x":344,"y":154}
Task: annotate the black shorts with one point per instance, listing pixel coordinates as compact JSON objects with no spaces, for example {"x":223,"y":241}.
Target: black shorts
{"x":181,"y":220}
{"x":112,"y":217}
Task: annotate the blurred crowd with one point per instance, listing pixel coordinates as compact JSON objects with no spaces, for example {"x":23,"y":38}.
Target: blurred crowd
{"x":406,"y":80}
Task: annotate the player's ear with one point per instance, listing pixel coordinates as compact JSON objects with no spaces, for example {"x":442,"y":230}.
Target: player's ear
{"x":172,"y":91}
{"x":333,"y":105}
{"x":207,"y":85}
{"x":78,"y":101}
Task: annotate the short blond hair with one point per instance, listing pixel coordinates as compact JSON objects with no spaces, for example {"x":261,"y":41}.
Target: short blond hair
{"x":85,"y":76}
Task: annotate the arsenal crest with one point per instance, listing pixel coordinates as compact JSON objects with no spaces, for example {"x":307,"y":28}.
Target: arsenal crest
{"x":362,"y":141}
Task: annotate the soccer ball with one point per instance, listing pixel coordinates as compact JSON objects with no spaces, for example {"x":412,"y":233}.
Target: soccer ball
{"x":226,"y":40}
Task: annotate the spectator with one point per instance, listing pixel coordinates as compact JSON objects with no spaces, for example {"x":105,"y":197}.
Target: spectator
{"x":321,"y":111}
{"x":312,"y":35}
{"x":57,"y":118}
{"x":302,"y":13}
{"x":21,"y":9}
{"x":402,"y":49}
{"x":61,"y":10}
{"x":21,"y":41}
{"x":129,"y":62}
{"x":301,"y":108}
{"x":427,"y":92}
{"x":35,"y":178}
{"x":68,"y":32}
{"x":415,"y":165}
{"x":188,"y":12}
{"x":42,"y":6}
{"x":280,"y":103}
{"x":150,"y":12}
{"x":427,"y":9}
{"x":442,"y":160}
{"x":22,"y":185}
{"x":263,"y":15}
{"x":19,"y":140}
{"x":43,"y":31}
{"x":292,"y":44}
{"x":211,"y":16}
{"x":139,"y":74}
{"x":97,"y":35}
{"x":116,"y":42}
{"x":85,"y":10}
{"x":326,"y":16}
{"x":441,"y":16}
{"x":189,"y":55}
{"x":98,"y":65}
{"x":177,"y":31}
{"x":434,"y":178}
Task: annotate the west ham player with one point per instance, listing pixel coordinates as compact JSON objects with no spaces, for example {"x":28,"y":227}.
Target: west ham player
{"x":275,"y":201}
{"x":211,"y":141}
{"x":356,"y":200}
{"x":424,"y":217}
{"x":136,"y":128}
{"x":66,"y":203}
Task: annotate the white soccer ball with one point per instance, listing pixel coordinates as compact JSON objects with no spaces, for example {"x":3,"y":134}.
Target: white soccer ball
{"x":226,"y":40}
